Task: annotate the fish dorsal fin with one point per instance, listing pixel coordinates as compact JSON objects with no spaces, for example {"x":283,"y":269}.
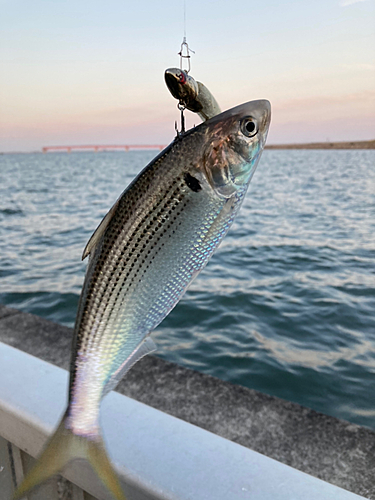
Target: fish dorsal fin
{"x":99,"y":231}
{"x":146,"y":347}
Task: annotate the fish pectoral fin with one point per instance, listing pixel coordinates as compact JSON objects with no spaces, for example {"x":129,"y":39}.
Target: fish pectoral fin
{"x":146,"y":347}
{"x":62,"y":448}
{"x":99,"y":231}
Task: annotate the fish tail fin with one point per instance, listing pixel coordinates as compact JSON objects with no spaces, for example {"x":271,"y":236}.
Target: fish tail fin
{"x":100,"y":462}
{"x":63,"y":447}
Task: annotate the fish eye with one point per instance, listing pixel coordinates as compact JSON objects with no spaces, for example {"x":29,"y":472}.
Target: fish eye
{"x":249,"y":127}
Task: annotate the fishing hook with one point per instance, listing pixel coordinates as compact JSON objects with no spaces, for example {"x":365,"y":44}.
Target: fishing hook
{"x":181,"y":107}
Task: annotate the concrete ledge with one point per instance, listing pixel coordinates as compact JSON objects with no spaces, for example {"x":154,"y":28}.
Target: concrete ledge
{"x":327,"y":448}
{"x":157,"y":456}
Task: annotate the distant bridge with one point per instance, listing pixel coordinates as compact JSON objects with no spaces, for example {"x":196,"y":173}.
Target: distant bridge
{"x":101,"y":147}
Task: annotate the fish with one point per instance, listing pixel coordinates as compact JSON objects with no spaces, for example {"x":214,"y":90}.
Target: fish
{"x":152,"y":243}
{"x":191,"y":94}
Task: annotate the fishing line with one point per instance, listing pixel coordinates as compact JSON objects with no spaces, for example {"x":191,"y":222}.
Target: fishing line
{"x":184,"y":54}
{"x":185,"y":50}
{"x":184,"y":18}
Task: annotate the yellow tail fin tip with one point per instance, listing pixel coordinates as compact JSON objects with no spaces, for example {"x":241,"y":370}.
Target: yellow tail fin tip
{"x":62,"y":448}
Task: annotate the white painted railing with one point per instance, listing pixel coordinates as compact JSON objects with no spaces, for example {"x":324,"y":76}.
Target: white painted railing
{"x":157,"y":456}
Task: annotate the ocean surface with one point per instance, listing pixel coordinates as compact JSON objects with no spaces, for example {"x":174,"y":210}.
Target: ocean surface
{"x":285,"y":306}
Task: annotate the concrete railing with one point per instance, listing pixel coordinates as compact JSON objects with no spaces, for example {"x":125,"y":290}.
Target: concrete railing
{"x":157,"y":456}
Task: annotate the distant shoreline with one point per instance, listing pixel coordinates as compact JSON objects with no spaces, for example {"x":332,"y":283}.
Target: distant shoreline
{"x":326,"y":145}
{"x":308,"y":145}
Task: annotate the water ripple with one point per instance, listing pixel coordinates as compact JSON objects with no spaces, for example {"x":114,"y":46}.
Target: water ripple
{"x":286,"y":305}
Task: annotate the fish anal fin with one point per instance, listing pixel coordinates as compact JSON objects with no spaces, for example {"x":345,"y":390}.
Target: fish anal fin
{"x":146,"y":347}
{"x":99,"y":231}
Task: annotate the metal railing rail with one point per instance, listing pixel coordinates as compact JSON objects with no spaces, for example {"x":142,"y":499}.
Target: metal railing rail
{"x":157,"y":456}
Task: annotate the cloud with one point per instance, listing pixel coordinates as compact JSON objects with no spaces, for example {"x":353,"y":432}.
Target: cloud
{"x":345,"y":3}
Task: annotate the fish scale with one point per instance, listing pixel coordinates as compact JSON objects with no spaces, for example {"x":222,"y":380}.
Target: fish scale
{"x":107,"y":312}
{"x":151,"y":219}
{"x":156,"y":238}
{"x":127,"y":270}
{"x":130,"y":284}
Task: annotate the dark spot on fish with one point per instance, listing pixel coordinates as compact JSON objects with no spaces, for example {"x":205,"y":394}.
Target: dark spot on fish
{"x":192,"y":182}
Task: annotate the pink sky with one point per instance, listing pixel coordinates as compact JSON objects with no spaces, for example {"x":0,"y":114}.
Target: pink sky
{"x":69,"y":81}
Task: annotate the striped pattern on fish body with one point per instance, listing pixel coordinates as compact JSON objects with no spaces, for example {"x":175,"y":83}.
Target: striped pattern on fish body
{"x":156,"y":238}
{"x":166,"y":226}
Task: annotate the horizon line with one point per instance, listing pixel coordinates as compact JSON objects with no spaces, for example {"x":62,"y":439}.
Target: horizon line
{"x":352,"y":144}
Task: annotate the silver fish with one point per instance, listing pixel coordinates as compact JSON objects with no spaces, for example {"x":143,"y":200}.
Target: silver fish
{"x":156,"y":238}
{"x":192,"y":94}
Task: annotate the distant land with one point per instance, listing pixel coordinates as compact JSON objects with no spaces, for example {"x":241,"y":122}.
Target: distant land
{"x":326,"y":145}
{"x":309,"y":145}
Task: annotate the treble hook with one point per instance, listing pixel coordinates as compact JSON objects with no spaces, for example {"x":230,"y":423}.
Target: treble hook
{"x":185,"y":46}
{"x":182,"y":108}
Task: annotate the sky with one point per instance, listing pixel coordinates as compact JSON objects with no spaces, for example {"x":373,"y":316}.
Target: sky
{"x":80,"y":72}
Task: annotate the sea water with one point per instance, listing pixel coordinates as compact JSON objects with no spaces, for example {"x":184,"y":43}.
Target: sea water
{"x":285,"y":306}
